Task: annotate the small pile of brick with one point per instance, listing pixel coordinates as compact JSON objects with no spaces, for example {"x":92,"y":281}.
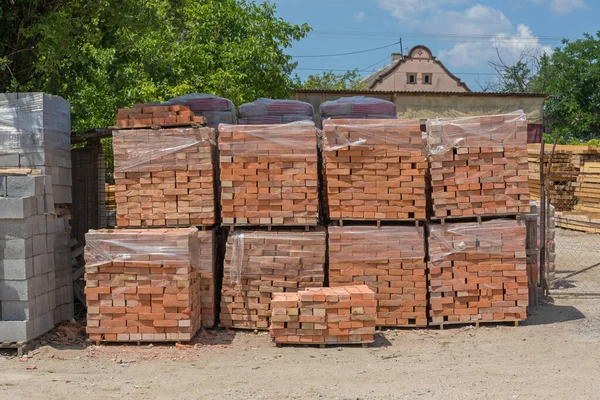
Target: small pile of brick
{"x":259,"y":263}
{"x":478,"y":272}
{"x":375,"y":169}
{"x":269,"y":174}
{"x":391,"y":261}
{"x":478,"y":165}
{"x":145,"y":115}
{"x":142,"y":285}
{"x":165,"y":177}
{"x":342,"y":315}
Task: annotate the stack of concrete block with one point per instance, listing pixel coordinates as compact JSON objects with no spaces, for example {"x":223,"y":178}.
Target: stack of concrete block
{"x":259,"y":263}
{"x":342,"y":315}
{"x":28,"y":287}
{"x":478,"y":272}
{"x":390,"y":260}
{"x":165,"y":177}
{"x":269,"y":174}
{"x":478,"y":165}
{"x":143,"y":284}
{"x":374,"y":169}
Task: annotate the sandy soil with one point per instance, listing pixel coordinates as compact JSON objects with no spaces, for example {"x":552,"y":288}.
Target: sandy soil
{"x":556,"y":354}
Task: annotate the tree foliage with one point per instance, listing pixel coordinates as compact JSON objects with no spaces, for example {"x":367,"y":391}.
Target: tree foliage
{"x":101,"y":54}
{"x":332,"y":81}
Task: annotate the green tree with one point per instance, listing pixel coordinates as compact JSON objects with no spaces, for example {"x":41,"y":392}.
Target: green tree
{"x":332,"y":81}
{"x":573,"y":82}
{"x":101,"y":54}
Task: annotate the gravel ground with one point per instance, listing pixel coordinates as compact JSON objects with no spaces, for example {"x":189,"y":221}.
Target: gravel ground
{"x":555,"y":354}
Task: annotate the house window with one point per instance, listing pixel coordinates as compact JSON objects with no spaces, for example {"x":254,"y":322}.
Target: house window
{"x":427,"y":79}
{"x":411,"y":78}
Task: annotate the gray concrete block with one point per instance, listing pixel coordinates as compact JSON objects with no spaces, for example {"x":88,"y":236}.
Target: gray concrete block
{"x":49,"y":205}
{"x":50,"y":240}
{"x":16,"y":269}
{"x":16,"y":228}
{"x":16,"y":290}
{"x":9,"y":160}
{"x":39,"y":245}
{"x":15,"y":310}
{"x":43,"y":323}
{"x":17,"y":207}
{"x":16,"y":249}
{"x":48,"y":184}
{"x":38,"y":225}
{"x":42,"y":304}
{"x":40,"y":264}
{"x":16,"y":331}
{"x":24,"y":186}
{"x":2,"y":186}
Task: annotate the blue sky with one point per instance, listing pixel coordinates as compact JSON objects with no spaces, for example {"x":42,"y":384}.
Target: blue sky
{"x":461,"y":33}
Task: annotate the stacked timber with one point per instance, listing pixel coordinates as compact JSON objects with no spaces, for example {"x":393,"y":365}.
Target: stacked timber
{"x":260,"y":263}
{"x":561,"y":180}
{"x":478,"y":165}
{"x":585,"y":216}
{"x":342,"y":315}
{"x":478,"y":272}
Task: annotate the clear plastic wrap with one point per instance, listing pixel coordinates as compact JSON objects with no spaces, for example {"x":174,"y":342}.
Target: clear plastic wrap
{"x":274,"y":119}
{"x":358,"y":106}
{"x":495,"y":131}
{"x":371,"y":133}
{"x":284,"y":256}
{"x":140,"y":150}
{"x":141,"y":247}
{"x":294,"y":140}
{"x":263,"y":107}
{"x":30,"y":122}
{"x":499,"y":237}
{"x":215,"y":109}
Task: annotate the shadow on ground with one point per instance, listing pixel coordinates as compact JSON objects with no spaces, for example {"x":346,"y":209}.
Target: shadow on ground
{"x":548,"y":313}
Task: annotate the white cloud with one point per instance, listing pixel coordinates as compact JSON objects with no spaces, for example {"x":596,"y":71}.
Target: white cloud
{"x":510,"y":47}
{"x":476,"y":20}
{"x":562,"y":6}
{"x":359,"y":16}
{"x":410,"y":9}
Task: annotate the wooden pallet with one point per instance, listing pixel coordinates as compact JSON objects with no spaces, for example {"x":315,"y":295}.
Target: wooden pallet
{"x":271,"y":227}
{"x":21,"y":347}
{"x":377,"y":222}
{"x":515,"y":322}
{"x":477,"y":218}
{"x":324,"y":345}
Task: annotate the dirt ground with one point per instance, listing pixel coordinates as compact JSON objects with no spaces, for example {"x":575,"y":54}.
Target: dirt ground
{"x":555,"y":354}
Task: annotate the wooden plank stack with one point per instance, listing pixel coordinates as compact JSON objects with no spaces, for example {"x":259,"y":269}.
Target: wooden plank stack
{"x":342,"y":315}
{"x":142,"y":285}
{"x":145,"y":115}
{"x":165,"y":177}
{"x":478,"y":272}
{"x":374,"y":169}
{"x":585,"y":216}
{"x":561,"y":179}
{"x":390,"y":260}
{"x":478,"y":165}
{"x":259,"y":263}
{"x":269,"y":174}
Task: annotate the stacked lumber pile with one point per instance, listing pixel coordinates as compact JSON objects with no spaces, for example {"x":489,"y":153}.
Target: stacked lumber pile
{"x":374,"y":169}
{"x":266,"y":111}
{"x":269,"y":174}
{"x":143,"y":284}
{"x":357,"y":107}
{"x":560,"y":180}
{"x":478,"y":165}
{"x":216,"y":110}
{"x":165,"y":177}
{"x":585,"y":216}
{"x":478,"y":272}
{"x":259,"y":263}
{"x":144,"y":116}
{"x":342,"y":315}
{"x":390,"y":260}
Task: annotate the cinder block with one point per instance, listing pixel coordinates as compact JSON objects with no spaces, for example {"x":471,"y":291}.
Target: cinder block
{"x":16,"y":249}
{"x":15,"y":290}
{"x":16,"y":228}
{"x":17,"y":207}
{"x":9,"y":160}
{"x":15,"y":310}
{"x":38,"y":225}
{"x":2,"y":186}
{"x":24,"y":186}
{"x":43,"y":323}
{"x":39,"y":245}
{"x":16,"y":331}
{"x":16,"y":269}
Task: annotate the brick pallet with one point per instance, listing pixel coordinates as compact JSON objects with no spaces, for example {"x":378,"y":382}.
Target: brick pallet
{"x":478,"y":165}
{"x":478,"y":272}
{"x":390,"y":260}
{"x":259,"y":263}
{"x":342,"y":315}
{"x":165,"y":177}
{"x":375,"y":169}
{"x":145,"y":115}
{"x":208,"y":277}
{"x":143,"y":285}
{"x":269,"y":174}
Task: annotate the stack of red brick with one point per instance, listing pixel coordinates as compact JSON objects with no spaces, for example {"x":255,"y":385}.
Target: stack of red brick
{"x":145,"y":115}
{"x":343,"y":315}
{"x":478,"y":272}
{"x":165,"y":177}
{"x":390,"y":260}
{"x":478,"y":165}
{"x":143,"y":285}
{"x":374,"y":169}
{"x":260,"y":263}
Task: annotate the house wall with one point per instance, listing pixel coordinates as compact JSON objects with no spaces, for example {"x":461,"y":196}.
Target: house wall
{"x":441,"y":81}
